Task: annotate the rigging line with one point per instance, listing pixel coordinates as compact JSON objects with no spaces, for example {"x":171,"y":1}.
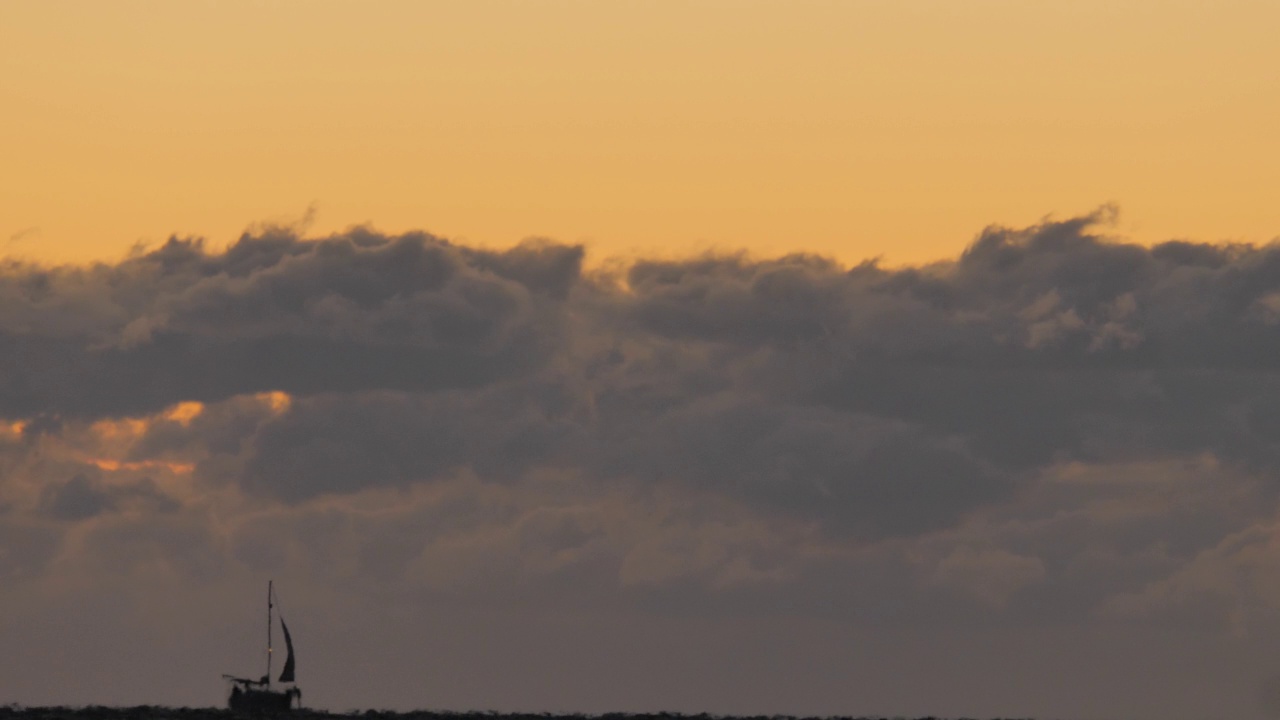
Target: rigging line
{"x":270,"y":593}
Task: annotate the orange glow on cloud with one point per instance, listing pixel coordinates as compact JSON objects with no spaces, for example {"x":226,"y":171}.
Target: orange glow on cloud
{"x":184,"y":412}
{"x":121,"y":432}
{"x":120,"y":428}
{"x":111,"y":465}
{"x":279,"y":402}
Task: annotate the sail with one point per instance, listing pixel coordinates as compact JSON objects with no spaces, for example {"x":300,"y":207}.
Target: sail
{"x":286,"y":675}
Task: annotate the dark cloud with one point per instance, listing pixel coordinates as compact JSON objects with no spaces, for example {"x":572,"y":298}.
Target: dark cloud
{"x":83,"y":497}
{"x":1055,"y":429}
{"x":350,"y":313}
{"x":77,"y":499}
{"x":877,"y":401}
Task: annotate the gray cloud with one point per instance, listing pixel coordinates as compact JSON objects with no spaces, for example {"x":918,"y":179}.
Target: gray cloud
{"x":1054,"y":430}
{"x":877,"y":401}
{"x":874,"y":401}
{"x":84,"y":497}
{"x":77,"y":499}
{"x":350,"y":313}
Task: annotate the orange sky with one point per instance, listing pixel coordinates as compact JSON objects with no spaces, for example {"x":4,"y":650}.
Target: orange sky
{"x":890,"y":128}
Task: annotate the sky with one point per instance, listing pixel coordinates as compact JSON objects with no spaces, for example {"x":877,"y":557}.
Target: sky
{"x":848,"y":128}
{"x":858,"y":358}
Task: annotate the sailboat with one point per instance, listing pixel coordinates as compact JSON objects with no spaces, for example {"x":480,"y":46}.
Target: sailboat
{"x":259,"y":696}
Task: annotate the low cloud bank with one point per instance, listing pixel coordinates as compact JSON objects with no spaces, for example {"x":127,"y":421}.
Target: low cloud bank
{"x":1055,"y":427}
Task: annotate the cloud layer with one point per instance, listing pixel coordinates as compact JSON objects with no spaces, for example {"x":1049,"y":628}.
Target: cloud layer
{"x":1056,"y":434}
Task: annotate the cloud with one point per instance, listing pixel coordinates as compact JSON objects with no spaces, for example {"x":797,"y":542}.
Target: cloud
{"x":875,"y":402}
{"x":83,"y":497}
{"x":23,"y":234}
{"x":76,"y":499}
{"x":1054,"y":429}
{"x":988,"y":575}
{"x":350,"y":313}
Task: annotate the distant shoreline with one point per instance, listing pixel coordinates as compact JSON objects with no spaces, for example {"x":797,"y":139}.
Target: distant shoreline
{"x":155,"y":712}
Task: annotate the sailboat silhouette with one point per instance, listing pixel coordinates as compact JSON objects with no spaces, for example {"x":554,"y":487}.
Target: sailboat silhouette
{"x":258,"y":696}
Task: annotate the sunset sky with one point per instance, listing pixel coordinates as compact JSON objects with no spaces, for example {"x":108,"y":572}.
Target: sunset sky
{"x":844,"y":358}
{"x":856,"y":129}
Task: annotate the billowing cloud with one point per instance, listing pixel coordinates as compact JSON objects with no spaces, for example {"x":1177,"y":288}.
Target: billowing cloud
{"x":351,"y":313}
{"x":1056,"y":432}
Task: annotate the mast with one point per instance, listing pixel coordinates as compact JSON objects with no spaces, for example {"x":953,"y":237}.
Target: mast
{"x":268,"y":633}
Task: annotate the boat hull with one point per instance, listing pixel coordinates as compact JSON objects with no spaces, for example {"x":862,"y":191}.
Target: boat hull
{"x":262,"y":701}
